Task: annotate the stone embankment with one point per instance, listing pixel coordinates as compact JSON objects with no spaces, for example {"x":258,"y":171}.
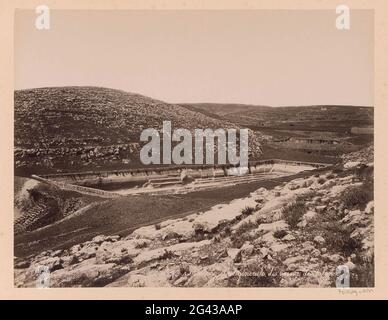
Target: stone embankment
{"x":137,"y":177}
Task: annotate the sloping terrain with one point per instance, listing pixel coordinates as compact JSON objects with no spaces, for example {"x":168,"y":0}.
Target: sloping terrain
{"x":295,"y":235}
{"x":83,"y":128}
{"x":300,"y":132}
{"x":122,"y":215}
{"x":228,"y":109}
{"x":310,"y":117}
{"x":38,"y":205}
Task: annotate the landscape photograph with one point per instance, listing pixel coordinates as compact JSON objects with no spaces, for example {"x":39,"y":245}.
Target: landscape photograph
{"x":130,"y":132}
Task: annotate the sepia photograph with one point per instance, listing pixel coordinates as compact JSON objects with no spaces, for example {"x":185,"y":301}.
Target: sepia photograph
{"x":193,"y":148}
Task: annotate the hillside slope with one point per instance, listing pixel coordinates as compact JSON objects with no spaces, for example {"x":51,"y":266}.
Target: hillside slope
{"x":68,"y":128}
{"x":255,"y":115}
{"x":293,"y":235}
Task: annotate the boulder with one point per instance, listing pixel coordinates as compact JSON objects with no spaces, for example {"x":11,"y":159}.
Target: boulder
{"x":234,"y":254}
{"x":351,"y":164}
{"x":53,"y":263}
{"x":22,"y":264}
{"x":247,"y":249}
{"x":336,"y":258}
{"x":289,"y":237}
{"x":200,"y":278}
{"x":319,"y":240}
{"x":88,"y":275}
{"x":274,"y":226}
{"x":370,"y":207}
{"x":320,"y":209}
{"x":293,"y":260}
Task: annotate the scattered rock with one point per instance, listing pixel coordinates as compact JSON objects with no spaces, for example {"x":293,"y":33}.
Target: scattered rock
{"x":351,"y":164}
{"x":370,"y":207}
{"x":289,"y":237}
{"x":319,"y":240}
{"x":234,"y":254}
{"x":274,"y":226}
{"x":86,"y":275}
{"x":309,"y":216}
{"x":293,"y":260}
{"x":320,"y":209}
{"x":22,"y":264}
{"x":335,"y":258}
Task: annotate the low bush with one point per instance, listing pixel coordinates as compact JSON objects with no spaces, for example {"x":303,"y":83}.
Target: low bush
{"x":356,"y":197}
{"x":364,"y":274}
{"x":242,"y":234}
{"x":279,"y":234}
{"x":245,"y":227}
{"x":141,"y":245}
{"x":305,"y":196}
{"x":338,"y":238}
{"x":321,"y":180}
{"x":293,"y":212}
{"x":330,"y":176}
{"x":247,"y":211}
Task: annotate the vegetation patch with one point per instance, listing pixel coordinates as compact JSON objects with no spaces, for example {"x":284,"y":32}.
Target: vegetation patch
{"x":363,"y":276}
{"x":247,"y":211}
{"x":242,"y":234}
{"x":356,"y":197}
{"x":293,"y":212}
{"x":279,"y":234}
{"x":321,"y":180}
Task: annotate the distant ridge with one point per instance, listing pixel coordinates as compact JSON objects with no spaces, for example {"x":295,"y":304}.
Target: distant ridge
{"x":244,"y":114}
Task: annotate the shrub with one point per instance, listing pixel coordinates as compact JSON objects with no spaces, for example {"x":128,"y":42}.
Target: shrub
{"x":338,"y":170}
{"x":358,"y":197}
{"x":364,"y":274}
{"x":279,"y":234}
{"x":305,"y":196}
{"x":338,"y":238}
{"x":247,"y":211}
{"x":245,"y":227}
{"x":242,"y":234}
{"x":330,"y":176}
{"x":167,"y":254}
{"x":363,"y":172}
{"x":157,"y":226}
{"x":294,"y":212}
{"x":141,"y":245}
{"x":321,"y":180}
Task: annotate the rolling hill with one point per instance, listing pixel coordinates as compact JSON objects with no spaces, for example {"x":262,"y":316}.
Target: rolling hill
{"x":84,"y":128}
{"x":265,"y":116}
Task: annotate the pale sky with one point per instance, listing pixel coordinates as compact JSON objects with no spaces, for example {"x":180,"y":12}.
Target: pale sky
{"x":253,"y":57}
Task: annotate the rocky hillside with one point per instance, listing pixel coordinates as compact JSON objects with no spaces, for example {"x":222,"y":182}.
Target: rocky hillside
{"x":78,"y":128}
{"x":365,"y":155}
{"x":38,"y":205}
{"x":294,"y":235}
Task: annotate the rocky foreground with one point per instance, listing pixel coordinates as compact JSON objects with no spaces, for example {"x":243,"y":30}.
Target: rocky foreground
{"x":295,"y":235}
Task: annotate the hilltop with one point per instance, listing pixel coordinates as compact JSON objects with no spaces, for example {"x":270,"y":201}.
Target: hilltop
{"x":83,"y":128}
